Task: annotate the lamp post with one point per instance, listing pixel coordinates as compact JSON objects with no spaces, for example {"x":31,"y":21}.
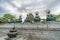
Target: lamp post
{"x":48,"y":12}
{"x":20,"y":19}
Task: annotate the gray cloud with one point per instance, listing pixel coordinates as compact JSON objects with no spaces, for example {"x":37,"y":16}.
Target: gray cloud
{"x":30,"y":4}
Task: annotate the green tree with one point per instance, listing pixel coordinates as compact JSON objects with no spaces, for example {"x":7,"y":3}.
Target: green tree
{"x":31,"y":17}
{"x":8,"y":16}
{"x":57,"y":16}
{"x":43,"y":21}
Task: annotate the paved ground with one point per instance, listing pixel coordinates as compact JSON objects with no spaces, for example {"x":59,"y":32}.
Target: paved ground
{"x":44,"y":35}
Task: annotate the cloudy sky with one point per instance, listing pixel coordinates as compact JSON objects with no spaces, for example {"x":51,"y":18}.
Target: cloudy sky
{"x":22,"y":7}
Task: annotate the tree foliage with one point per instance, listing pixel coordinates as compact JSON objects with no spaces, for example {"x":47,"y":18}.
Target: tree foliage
{"x":31,"y":17}
{"x":57,"y":16}
{"x":8,"y":16}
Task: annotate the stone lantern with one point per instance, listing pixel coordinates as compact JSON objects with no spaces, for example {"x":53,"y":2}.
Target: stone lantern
{"x":12,"y":33}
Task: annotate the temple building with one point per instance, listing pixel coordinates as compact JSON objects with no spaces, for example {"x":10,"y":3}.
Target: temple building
{"x":37,"y":18}
{"x":50,"y":17}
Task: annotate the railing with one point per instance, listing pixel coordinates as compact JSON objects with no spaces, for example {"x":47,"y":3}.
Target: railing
{"x":38,"y":26}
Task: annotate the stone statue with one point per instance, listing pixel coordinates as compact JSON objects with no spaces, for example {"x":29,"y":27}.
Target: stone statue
{"x":27,"y":19}
{"x":50,"y":17}
{"x":37,"y":18}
